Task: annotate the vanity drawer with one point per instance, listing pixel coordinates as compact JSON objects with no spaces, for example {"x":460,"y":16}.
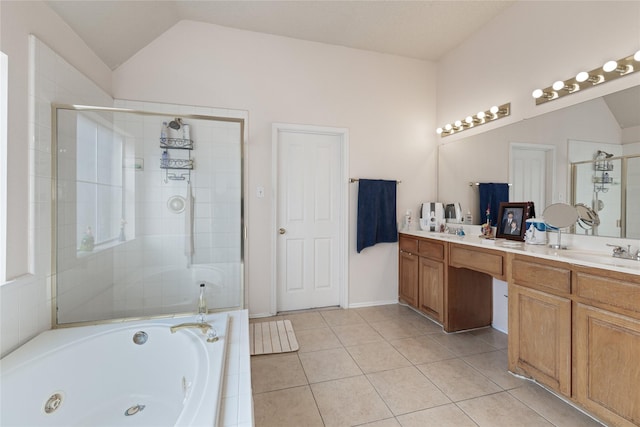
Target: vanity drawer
{"x":483,"y":260}
{"x":408,"y":244}
{"x":431,"y":249}
{"x":615,"y":290}
{"x":541,"y":274}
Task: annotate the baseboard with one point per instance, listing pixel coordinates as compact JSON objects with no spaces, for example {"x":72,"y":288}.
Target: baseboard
{"x":373,"y":303}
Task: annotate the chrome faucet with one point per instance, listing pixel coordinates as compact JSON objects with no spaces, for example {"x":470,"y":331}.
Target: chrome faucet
{"x":620,"y":252}
{"x":204,"y":327}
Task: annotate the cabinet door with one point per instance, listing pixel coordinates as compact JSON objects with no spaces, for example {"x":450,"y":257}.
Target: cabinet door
{"x":607,"y":370}
{"x":408,"y":281}
{"x":431,"y":287}
{"x":540,"y":337}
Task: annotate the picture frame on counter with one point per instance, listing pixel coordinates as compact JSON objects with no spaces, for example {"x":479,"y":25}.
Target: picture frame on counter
{"x":512,"y":217}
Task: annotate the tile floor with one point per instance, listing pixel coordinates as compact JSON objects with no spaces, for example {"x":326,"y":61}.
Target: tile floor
{"x":389,"y":366}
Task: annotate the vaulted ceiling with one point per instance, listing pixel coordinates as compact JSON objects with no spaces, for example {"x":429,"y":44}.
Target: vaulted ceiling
{"x":116,"y":29}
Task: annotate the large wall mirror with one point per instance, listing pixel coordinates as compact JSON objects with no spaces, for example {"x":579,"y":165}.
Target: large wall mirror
{"x":535,"y":157}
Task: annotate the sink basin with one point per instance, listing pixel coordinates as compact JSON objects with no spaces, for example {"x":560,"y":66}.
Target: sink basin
{"x":600,"y":259}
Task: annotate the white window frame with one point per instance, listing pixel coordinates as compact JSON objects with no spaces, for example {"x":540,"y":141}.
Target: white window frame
{"x":4,"y":89}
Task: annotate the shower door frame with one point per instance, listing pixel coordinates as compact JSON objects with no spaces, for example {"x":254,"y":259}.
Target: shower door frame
{"x":54,"y":205}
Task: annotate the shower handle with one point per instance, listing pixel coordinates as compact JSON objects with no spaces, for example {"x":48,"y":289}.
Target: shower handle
{"x":282,"y":231}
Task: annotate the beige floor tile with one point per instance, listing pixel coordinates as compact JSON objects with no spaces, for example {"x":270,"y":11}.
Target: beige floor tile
{"x":357,"y":334}
{"x":275,"y":372}
{"x":494,"y":366}
{"x":309,"y":320}
{"x":341,"y":317}
{"x":422,"y":349}
{"x":560,"y":413}
{"x":317,"y":339}
{"x":501,"y":410}
{"x":395,"y":329}
{"x":376,"y":314}
{"x":463,"y":344}
{"x":329,"y":365}
{"x":389,"y":422}
{"x":441,"y":416}
{"x":493,"y":337}
{"x":407,"y":390}
{"x":397,"y":309}
{"x":421,"y":323}
{"x":290,"y":407}
{"x":349,"y":401}
{"x":375,"y":357}
{"x":458,"y":380}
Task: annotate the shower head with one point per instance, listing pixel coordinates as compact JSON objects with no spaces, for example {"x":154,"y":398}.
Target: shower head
{"x":176,"y":123}
{"x":604,"y":153}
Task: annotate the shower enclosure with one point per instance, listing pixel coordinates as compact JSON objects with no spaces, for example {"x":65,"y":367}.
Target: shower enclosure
{"x":145,"y":212}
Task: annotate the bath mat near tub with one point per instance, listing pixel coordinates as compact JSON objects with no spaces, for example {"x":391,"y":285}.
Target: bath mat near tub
{"x":272,"y":337}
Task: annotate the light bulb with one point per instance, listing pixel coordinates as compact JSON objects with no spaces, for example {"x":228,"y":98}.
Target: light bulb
{"x":610,"y":66}
{"x":494,"y":109}
{"x":439,"y":131}
{"x":636,"y":56}
{"x":480,"y":115}
{"x":469,"y":120}
{"x":448,"y":127}
{"x":582,"y":76}
{"x":537,"y":93}
{"x":458,"y":123}
{"x":558,"y":85}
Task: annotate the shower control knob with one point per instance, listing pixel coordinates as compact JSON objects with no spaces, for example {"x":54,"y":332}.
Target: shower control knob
{"x":282,"y":231}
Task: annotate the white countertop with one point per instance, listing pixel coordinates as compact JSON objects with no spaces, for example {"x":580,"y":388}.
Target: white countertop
{"x":582,"y":250}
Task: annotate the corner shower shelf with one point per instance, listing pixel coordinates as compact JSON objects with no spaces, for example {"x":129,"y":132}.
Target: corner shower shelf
{"x":176,"y":143}
{"x":179,"y":164}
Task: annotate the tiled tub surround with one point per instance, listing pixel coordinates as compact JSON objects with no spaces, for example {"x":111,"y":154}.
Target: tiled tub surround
{"x":390,"y":366}
{"x":212,"y":388}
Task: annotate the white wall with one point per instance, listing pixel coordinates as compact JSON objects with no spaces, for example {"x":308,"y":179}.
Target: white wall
{"x":18,"y":20}
{"x":387,"y":102}
{"x":529,"y":46}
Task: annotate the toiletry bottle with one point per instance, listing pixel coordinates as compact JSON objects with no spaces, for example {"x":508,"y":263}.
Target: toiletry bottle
{"x":163,"y":133}
{"x":468,"y":218}
{"x":186,"y":131}
{"x":165,"y":158}
{"x":202,"y":303}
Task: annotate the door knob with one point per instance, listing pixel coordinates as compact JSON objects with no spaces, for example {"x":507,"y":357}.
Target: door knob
{"x":282,"y":231}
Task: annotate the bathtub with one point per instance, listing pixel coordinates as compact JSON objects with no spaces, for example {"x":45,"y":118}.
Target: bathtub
{"x":97,"y":376}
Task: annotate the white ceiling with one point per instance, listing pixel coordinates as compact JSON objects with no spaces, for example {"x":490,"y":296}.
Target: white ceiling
{"x":117,"y":29}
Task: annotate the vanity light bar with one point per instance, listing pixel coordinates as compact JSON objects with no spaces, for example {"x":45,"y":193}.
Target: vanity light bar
{"x":492,"y":114}
{"x":583,"y":80}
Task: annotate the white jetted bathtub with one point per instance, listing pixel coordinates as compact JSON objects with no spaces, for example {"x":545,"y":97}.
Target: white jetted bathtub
{"x":98,"y":376}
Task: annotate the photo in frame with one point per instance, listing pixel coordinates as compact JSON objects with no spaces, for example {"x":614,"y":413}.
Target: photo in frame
{"x":511,"y":220}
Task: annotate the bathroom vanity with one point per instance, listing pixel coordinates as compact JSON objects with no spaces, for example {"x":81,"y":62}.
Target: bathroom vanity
{"x":574,"y":316}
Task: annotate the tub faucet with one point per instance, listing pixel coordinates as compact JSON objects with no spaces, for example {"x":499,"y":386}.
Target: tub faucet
{"x":204,"y":327}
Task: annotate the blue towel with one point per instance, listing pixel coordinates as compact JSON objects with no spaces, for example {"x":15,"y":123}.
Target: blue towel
{"x":376,"y":213}
{"x":491,"y":195}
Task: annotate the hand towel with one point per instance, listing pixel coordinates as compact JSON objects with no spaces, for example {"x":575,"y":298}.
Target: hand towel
{"x":491,"y":195}
{"x":376,"y":213}
{"x":188,"y":225}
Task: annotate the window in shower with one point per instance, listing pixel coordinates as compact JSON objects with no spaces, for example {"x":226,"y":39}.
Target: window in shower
{"x":99,"y":185}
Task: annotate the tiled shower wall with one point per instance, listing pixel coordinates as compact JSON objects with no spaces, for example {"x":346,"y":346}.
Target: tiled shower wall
{"x":26,"y":301}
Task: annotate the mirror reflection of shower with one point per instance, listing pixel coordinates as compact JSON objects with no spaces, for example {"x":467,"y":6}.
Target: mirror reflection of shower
{"x":148,"y":206}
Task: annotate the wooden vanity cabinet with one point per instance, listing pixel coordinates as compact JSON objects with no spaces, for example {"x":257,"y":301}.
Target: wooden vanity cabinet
{"x":606,"y":344}
{"x":408,"y":280}
{"x":422,"y":275}
{"x":540,"y":321}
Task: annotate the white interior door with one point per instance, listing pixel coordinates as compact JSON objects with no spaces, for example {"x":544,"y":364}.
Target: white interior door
{"x":529,"y":173}
{"x":308,"y":220}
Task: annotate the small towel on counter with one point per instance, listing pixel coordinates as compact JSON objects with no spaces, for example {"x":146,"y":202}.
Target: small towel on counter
{"x":376,"y":212}
{"x":491,"y":195}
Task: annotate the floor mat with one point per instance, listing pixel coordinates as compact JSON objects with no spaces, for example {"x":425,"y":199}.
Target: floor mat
{"x":272,"y":337}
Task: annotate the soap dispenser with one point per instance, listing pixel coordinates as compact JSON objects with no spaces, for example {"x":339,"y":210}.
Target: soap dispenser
{"x":202,"y":303}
